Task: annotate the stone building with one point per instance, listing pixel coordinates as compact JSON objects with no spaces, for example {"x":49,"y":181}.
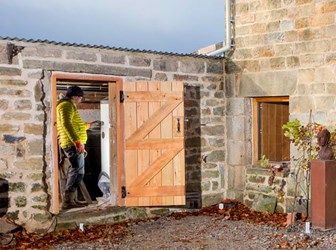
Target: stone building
{"x":282,"y":59}
{"x":27,"y":163}
{"x":283,"y":55}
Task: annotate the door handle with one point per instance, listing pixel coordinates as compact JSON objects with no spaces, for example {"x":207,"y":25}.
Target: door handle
{"x":178,"y":125}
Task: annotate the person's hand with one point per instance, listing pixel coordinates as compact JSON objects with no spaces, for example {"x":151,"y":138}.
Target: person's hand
{"x":95,"y":124}
{"x":79,"y":147}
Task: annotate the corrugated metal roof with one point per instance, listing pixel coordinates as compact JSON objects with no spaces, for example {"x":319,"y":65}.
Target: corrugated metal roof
{"x":106,"y":47}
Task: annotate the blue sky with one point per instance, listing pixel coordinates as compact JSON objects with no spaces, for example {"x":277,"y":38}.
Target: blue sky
{"x":180,"y":26}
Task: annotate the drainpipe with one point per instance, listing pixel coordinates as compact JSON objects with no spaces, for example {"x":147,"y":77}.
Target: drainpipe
{"x":227,"y":27}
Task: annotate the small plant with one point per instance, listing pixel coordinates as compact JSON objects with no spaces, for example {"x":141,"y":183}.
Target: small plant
{"x":304,"y":138}
{"x":264,"y":161}
{"x":278,"y":188}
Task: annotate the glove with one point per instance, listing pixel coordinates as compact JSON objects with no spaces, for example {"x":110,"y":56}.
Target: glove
{"x":95,"y":124}
{"x":79,"y":147}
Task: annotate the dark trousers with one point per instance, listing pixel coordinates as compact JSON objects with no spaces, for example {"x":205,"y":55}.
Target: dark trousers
{"x":76,"y":170}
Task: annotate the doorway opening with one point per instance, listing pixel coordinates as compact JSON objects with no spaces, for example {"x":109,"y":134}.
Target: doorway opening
{"x":98,"y":104}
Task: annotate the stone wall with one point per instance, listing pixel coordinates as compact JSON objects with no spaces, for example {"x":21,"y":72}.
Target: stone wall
{"x":25,"y":111}
{"x":282,"y":48}
{"x":260,"y":196}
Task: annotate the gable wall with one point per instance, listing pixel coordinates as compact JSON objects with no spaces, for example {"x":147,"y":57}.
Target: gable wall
{"x":25,"y":112}
{"x":282,"y":48}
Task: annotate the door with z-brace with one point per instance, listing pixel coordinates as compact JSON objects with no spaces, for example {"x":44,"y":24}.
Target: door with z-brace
{"x":154,"y":160}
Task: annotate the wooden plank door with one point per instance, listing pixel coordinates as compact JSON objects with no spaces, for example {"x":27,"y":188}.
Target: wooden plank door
{"x":154,"y":163}
{"x":274,"y":145}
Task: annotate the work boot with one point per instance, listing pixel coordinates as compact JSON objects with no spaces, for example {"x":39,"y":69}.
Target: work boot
{"x":69,"y":200}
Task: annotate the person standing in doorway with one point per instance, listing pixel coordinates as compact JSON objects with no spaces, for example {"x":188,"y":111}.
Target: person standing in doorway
{"x":72,"y":132}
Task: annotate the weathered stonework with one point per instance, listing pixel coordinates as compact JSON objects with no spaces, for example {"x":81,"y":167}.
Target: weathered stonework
{"x":282,"y":48}
{"x":26,"y":108}
{"x":258,"y":193}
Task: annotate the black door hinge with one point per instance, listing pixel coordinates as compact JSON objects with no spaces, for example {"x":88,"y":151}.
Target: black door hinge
{"x":123,"y":192}
{"x":122,"y":96}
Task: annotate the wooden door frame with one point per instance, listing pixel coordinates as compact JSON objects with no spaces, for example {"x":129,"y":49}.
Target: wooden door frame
{"x":255,"y":126}
{"x":115,"y":178}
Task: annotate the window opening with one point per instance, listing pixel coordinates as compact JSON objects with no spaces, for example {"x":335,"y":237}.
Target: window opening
{"x":270,"y":113}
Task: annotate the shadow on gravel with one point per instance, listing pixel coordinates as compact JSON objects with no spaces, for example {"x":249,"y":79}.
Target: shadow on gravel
{"x":114,"y":233}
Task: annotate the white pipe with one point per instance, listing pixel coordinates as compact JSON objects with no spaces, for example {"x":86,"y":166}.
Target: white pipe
{"x":227,"y":27}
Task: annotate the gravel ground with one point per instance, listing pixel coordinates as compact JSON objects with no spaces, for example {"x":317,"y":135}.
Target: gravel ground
{"x":211,"y":232}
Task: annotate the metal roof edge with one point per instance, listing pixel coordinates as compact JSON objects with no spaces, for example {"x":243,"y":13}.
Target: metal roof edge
{"x":108,"y":47}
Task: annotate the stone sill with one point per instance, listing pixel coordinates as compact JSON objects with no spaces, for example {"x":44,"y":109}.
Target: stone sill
{"x":258,"y":170}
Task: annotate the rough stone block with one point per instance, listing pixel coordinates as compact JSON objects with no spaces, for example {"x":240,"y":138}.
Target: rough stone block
{"x":291,"y":36}
{"x":306,"y":75}
{"x":23,"y":105}
{"x":83,"y":56}
{"x":214,"y":156}
{"x":20,"y":201}
{"x":325,"y":74}
{"x":6,"y":71}
{"x":278,"y":63}
{"x":87,"y":68}
{"x":210,"y":174}
{"x":192,"y":67}
{"x":31,"y":164}
{"x":3,"y":164}
{"x":15,"y":92}
{"x":324,"y":102}
{"x":3,"y":104}
{"x":236,"y":152}
{"x":268,"y":84}
{"x":178,"y":77}
{"x":311,"y":60}
{"x":235,"y":195}
{"x":35,"y":147}
{"x":13,"y":82}
{"x":139,"y":61}
{"x":113,"y":59}
{"x":331,"y":88}
{"x":214,"y":67}
{"x":137,"y":213}
{"x":34,"y":129}
{"x":292,"y":61}
{"x":257,"y":179}
{"x":235,"y":128}
{"x":40,"y":198}
{"x":42,"y":217}
{"x":216,"y":142}
{"x":41,"y":51}
{"x":7,"y":227}
{"x":160,"y":211}
{"x":161,"y":77}
{"x":211,"y":199}
{"x":165,"y":65}
{"x":17,"y":187}
{"x":212,"y":78}
{"x":263,"y":203}
{"x":216,"y":130}
{"x":35,"y":177}
{"x":286,"y":25}
{"x":235,"y":106}
{"x":206,"y":186}
{"x":13,"y":139}
{"x":16,"y":116}
{"x":36,"y":187}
